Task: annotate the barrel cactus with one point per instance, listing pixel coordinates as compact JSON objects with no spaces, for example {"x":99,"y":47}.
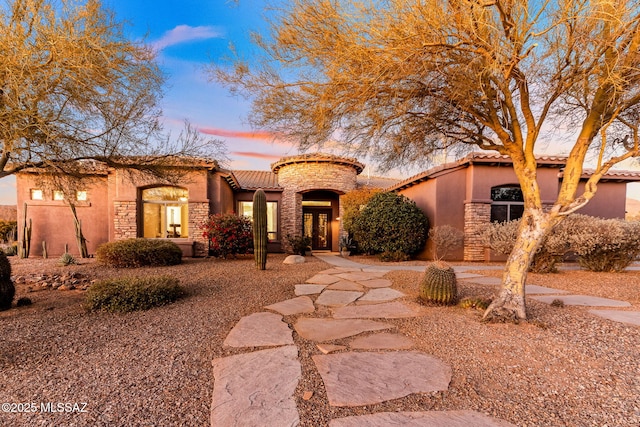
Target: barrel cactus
{"x":439,"y":284}
{"x":7,"y":290}
{"x":260,"y":229}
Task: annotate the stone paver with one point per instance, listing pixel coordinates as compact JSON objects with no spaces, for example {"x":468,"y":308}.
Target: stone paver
{"x":337,"y":298}
{"x":381,"y":295}
{"x":309,"y":289}
{"x":259,"y":329}
{"x":339,"y":270}
{"x":421,"y":419}
{"x":389,"y":310}
{"x":346,"y":285}
{"x":366,"y":378}
{"x":321,"y":329}
{"x":256,"y":389}
{"x":584,"y":300}
{"x":535,"y":289}
{"x":323,"y":279}
{"x":630,"y":317}
{"x":330,"y":348}
{"x":382,"y":341}
{"x":376,"y":283}
{"x":358,"y":276}
{"x":485,"y":280}
{"x":299,"y":305}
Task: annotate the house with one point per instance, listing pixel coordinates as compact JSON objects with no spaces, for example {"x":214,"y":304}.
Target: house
{"x":303,"y":198}
{"x":482,"y":188}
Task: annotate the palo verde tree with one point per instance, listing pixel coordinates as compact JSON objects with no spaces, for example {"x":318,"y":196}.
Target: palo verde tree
{"x":73,"y":87}
{"x":403,"y":80}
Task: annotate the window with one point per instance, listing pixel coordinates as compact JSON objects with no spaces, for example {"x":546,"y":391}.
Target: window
{"x":246,"y":209}
{"x":36,"y":194}
{"x":507,"y":203}
{"x":165,"y":212}
{"x":58,"y":195}
{"x":81,"y":196}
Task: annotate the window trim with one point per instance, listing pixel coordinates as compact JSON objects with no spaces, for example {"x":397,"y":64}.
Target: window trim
{"x":276,"y":232}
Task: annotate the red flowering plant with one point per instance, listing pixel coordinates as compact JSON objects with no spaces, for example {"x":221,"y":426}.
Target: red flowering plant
{"x":228,"y":234}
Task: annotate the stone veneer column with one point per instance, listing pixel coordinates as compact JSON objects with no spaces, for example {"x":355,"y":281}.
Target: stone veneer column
{"x":476,"y":216}
{"x":198,"y":214}
{"x":299,"y":174}
{"x":125,"y":220}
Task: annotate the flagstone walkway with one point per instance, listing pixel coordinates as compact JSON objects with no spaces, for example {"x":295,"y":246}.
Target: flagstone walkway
{"x":257,"y":388}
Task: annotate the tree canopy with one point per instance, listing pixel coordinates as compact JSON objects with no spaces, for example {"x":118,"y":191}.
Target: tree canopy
{"x":402,"y":80}
{"x":73,"y":87}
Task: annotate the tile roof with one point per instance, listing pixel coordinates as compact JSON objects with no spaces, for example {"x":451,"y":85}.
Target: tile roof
{"x":317,"y":158}
{"x":375,"y":181}
{"x":253,"y":180}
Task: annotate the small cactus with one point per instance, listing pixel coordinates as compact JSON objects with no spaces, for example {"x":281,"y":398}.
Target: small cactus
{"x":260,"y":229}
{"x":439,"y":284}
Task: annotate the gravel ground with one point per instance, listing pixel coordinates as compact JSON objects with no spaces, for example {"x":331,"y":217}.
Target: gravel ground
{"x":563,"y":368}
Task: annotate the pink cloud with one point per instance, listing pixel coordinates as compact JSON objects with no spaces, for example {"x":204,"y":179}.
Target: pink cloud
{"x":262,"y":135}
{"x":254,"y":155}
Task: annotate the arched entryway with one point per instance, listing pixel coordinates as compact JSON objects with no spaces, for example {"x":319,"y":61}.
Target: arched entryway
{"x":320,"y":211}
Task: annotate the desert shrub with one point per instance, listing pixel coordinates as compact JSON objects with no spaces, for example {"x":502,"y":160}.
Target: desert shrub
{"x":132,"y":293}
{"x":603,"y":244}
{"x":8,"y":230}
{"x":390,"y":223}
{"x":67,"y":259}
{"x":299,"y":244}
{"x":11,"y":250}
{"x":228,"y":234}
{"x":139,"y":253}
{"x":501,"y":236}
{"x":445,"y":238}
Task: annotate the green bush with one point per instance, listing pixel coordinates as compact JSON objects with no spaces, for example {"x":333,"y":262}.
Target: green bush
{"x":131,"y":294}
{"x":139,"y":253}
{"x":391,"y":223}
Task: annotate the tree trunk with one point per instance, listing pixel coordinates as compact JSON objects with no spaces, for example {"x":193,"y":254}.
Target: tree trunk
{"x":509,"y":305}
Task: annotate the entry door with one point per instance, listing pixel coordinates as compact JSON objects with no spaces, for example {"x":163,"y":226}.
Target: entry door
{"x":317,"y":225}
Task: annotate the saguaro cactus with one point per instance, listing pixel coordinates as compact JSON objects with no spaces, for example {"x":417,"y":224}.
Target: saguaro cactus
{"x":260,"y":229}
{"x":439,"y":284}
{"x":25,"y":244}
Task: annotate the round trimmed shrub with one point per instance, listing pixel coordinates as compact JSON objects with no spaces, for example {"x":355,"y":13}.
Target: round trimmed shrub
{"x":391,"y":223}
{"x":138,"y":253}
{"x":132,"y":293}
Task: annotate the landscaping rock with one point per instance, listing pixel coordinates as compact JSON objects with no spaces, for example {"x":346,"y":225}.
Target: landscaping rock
{"x":294,"y":259}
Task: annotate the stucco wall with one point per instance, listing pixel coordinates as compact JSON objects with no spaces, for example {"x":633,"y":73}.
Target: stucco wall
{"x":52,"y":220}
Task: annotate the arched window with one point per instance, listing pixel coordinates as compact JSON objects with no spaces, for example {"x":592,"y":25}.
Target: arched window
{"x":507,"y":203}
{"x":165,"y":212}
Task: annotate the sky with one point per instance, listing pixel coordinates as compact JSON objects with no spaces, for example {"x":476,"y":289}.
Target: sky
{"x":189,"y":35}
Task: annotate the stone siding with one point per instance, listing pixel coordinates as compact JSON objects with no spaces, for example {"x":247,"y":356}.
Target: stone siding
{"x":198,"y":214}
{"x":125,"y":220}
{"x":476,"y":216}
{"x":298,"y":178}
